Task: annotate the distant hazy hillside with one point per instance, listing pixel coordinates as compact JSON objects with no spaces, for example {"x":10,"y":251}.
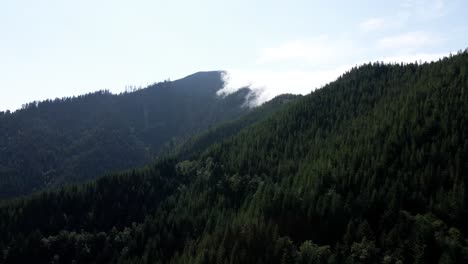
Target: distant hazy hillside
{"x":74,"y":139}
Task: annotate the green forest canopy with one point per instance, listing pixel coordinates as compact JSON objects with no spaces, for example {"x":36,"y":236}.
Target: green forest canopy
{"x":372,"y":168}
{"x":71,"y":140}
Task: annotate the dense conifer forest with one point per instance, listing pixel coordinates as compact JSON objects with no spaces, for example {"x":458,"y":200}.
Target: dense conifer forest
{"x":371,"y":168}
{"x":55,"y":142}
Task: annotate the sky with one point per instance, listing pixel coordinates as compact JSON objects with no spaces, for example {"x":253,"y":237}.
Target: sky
{"x":61,"y":48}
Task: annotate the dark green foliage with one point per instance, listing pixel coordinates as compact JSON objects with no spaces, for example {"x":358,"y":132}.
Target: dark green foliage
{"x":199,"y":143}
{"x":51,"y":143}
{"x":372,"y":168}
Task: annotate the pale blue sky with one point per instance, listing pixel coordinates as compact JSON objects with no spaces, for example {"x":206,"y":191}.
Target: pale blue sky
{"x":60,"y":48}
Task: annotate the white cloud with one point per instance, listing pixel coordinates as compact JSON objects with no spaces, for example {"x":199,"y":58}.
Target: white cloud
{"x":317,"y":50}
{"x":268,"y":84}
{"x":408,"y":41}
{"x":410,"y":11}
{"x":372,"y":24}
{"x":424,"y":9}
{"x":322,"y":59}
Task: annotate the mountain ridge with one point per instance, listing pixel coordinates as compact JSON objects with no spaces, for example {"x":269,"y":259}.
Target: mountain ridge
{"x":73,"y":139}
{"x":369,"y":169}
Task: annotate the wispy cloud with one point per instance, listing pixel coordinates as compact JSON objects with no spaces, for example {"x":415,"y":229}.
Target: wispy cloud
{"x":375,"y":23}
{"x":317,"y":50}
{"x":408,"y":41}
{"x":391,"y":39}
{"x":409,"y":11}
{"x":267,"y":83}
{"x":424,"y":9}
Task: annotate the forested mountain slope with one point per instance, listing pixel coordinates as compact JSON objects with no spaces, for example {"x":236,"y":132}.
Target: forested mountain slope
{"x":47,"y":144}
{"x":199,"y":143}
{"x":372,"y":168}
